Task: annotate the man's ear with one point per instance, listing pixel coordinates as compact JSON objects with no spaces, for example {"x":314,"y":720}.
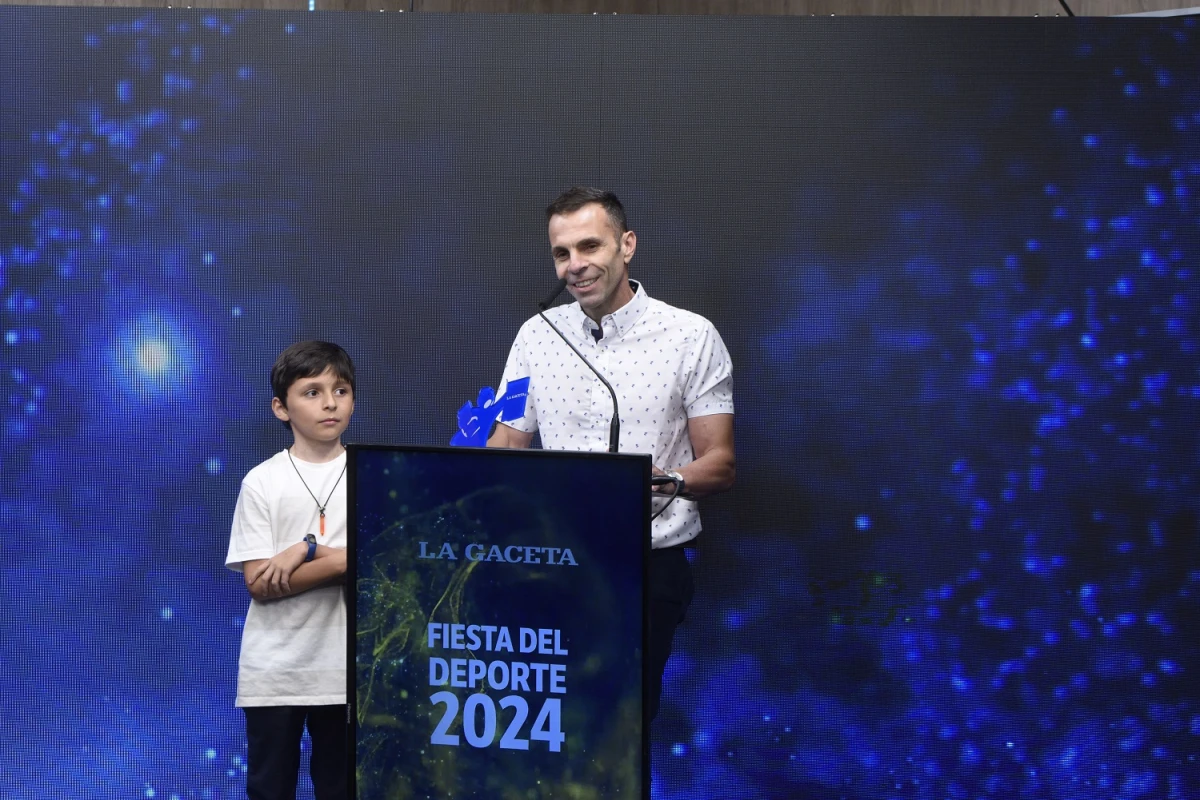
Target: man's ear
{"x":279,"y":409}
{"x":628,"y":245}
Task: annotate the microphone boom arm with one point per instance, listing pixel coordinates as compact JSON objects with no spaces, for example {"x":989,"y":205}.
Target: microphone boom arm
{"x":614,"y":427}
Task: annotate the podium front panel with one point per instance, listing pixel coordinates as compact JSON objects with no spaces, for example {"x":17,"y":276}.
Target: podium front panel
{"x":498,"y":615}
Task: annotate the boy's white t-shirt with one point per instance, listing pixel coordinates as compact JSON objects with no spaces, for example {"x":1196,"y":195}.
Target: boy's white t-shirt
{"x":293,"y":648}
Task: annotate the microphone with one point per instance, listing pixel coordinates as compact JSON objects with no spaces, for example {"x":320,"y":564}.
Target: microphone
{"x":614,"y":427}
{"x":549,"y":301}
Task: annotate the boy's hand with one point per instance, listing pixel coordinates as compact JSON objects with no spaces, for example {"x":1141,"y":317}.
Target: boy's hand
{"x":275,"y":573}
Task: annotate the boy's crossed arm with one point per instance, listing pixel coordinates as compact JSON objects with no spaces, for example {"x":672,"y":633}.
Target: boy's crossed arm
{"x":286,"y":573}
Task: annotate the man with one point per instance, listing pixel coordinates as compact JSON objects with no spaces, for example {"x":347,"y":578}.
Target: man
{"x":672,"y":376}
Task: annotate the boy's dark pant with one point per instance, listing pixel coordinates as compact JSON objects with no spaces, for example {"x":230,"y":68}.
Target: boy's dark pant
{"x":670,"y":595}
{"x":273,"y":762}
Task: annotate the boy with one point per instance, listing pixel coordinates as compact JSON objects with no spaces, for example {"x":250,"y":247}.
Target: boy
{"x":289,"y":541}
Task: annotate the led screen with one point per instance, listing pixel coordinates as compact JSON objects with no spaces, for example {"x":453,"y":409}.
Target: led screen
{"x":954,"y":262}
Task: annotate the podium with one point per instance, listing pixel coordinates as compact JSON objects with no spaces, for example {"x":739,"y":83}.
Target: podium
{"x":497,"y":614}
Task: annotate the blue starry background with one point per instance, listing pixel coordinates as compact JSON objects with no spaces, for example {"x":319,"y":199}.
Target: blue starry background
{"x":954,"y":262}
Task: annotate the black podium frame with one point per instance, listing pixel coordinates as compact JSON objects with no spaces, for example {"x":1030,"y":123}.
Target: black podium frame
{"x":630,"y":467}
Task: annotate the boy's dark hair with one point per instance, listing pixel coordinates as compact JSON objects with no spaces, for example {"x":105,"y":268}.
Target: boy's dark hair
{"x":577,"y":197}
{"x":307,"y":360}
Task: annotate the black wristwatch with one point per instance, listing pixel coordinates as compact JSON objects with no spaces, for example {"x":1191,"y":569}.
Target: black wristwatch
{"x":312,"y":547}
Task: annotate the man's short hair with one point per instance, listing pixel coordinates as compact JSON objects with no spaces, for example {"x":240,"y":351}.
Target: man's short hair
{"x":577,"y":197}
{"x":307,"y":360}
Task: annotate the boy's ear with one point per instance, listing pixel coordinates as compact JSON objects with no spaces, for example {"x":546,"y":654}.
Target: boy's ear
{"x":279,"y":409}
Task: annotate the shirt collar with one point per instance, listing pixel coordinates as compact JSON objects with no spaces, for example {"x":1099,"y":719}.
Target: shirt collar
{"x":624,"y":317}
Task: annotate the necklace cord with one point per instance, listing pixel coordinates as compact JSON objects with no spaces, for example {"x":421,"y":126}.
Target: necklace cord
{"x":320,"y":506}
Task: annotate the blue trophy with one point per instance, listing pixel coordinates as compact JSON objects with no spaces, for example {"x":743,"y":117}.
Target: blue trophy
{"x":475,"y":421}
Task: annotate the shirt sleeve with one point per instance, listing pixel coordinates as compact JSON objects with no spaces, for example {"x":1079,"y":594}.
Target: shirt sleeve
{"x":250,"y":538}
{"x":517,"y":368}
{"x":709,"y":388}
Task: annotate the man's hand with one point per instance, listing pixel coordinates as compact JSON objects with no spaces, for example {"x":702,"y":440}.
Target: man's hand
{"x":504,"y":436}
{"x":663,"y":488}
{"x":271,"y":578}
